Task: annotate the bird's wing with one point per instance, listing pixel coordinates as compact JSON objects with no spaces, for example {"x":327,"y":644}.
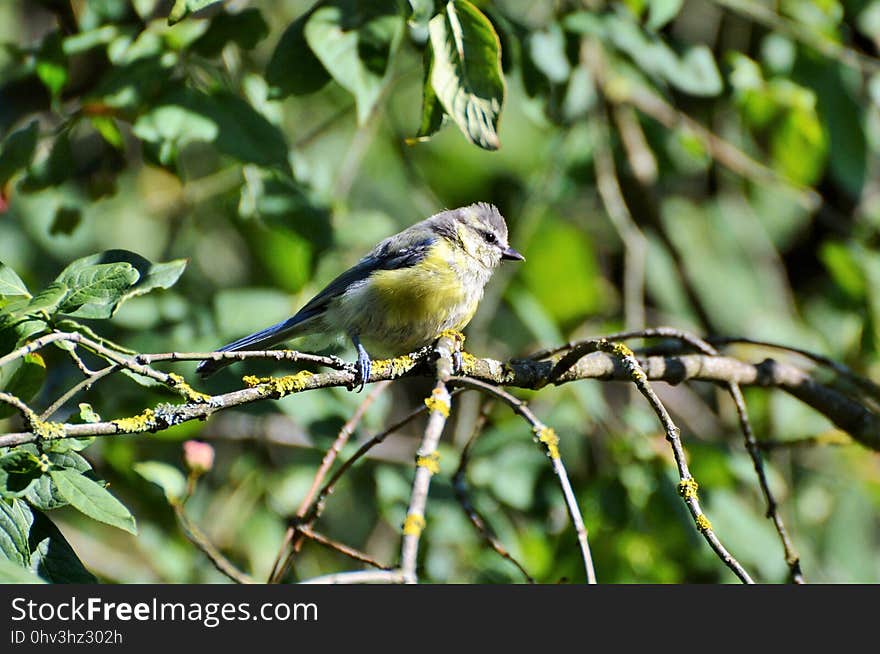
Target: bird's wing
{"x":402,"y":251}
{"x":406,"y":249}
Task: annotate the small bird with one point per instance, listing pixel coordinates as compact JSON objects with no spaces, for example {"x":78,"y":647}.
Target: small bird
{"x":409,"y":289}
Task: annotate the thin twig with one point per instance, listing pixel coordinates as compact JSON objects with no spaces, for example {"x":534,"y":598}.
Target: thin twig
{"x":459,"y":487}
{"x":277,"y":355}
{"x":342,"y":548}
{"x":687,"y":484}
{"x":359,"y":577}
{"x":752,"y":447}
{"x":83,"y":385}
{"x":550,"y":442}
{"x":326,"y":463}
{"x":317,"y":508}
{"x":197,"y":538}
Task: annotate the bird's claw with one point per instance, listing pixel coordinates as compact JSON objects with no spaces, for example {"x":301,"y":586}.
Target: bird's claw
{"x":363,"y":367}
{"x":457,"y":362}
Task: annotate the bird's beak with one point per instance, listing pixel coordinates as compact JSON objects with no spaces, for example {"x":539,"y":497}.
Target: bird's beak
{"x":511,"y":255}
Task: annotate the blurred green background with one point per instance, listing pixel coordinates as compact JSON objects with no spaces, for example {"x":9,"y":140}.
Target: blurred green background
{"x":176,"y":142}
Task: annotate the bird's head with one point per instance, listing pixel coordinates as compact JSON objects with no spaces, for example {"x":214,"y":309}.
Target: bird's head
{"x":479,"y":229}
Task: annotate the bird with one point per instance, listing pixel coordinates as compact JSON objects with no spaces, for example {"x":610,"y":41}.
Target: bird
{"x":401,"y":296}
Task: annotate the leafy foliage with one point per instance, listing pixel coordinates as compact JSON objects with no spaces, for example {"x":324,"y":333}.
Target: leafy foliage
{"x":261,"y":151}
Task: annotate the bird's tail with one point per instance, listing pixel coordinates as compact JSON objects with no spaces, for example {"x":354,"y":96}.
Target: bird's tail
{"x":261,"y":340}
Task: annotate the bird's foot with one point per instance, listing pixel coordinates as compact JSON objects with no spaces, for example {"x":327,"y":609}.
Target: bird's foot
{"x":363,"y":367}
{"x":457,"y":362}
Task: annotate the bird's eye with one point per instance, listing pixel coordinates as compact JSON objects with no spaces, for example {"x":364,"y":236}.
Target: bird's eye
{"x":490,"y":237}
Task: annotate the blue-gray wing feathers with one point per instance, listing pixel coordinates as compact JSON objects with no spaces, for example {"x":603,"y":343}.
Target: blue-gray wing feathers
{"x":402,"y":251}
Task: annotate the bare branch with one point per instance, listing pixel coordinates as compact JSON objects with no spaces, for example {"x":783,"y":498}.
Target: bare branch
{"x":427,"y":458}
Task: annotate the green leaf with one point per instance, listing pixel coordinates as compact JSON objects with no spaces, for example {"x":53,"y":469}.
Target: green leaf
{"x":15,"y":523}
{"x":48,"y":300}
{"x":246,"y":29}
{"x":183,"y":8}
{"x":11,"y":573}
{"x":845,"y":268}
{"x":433,"y":115}
{"x":54,"y":169}
{"x":799,"y":146}
{"x":17,"y":151}
{"x":87,"y":413}
{"x":129,"y":86}
{"x":101,"y":282}
{"x":294,"y":68}
{"x":660,"y":12}
{"x":52,"y":557}
{"x":10,"y":283}
{"x":65,"y":221}
{"x":106,"y":126}
{"x":96,"y":290}
{"x":15,"y":332}
{"x":697,"y":73}
{"x":22,"y":378}
{"x":92,"y":499}
{"x":51,"y":64}
{"x":354,"y":40}
{"x":19,"y":470}
{"x":466,"y":74}
{"x":167,"y":477}
{"x":44,"y":494}
{"x":235,"y":128}
{"x":694,"y":72}
{"x":547,"y":51}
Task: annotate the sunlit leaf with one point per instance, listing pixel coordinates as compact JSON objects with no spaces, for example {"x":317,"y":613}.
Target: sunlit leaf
{"x":354,"y":40}
{"x":466,"y":73}
{"x":183,"y":8}
{"x":51,"y":64}
{"x":92,"y":499}
{"x":661,"y":12}
{"x":10,"y":283}
{"x":234,"y":127}
{"x":167,"y":477}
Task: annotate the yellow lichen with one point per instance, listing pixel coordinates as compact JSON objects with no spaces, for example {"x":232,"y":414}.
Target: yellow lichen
{"x":703,"y":523}
{"x":430,"y":462}
{"x":622,"y":350}
{"x":134,"y":424}
{"x":188,"y":392}
{"x":468,"y":363}
{"x":687,"y":488}
{"x":394,"y":368}
{"x":549,"y":439}
{"x":280,"y":386}
{"x":453,"y":334}
{"x":413,"y":525}
{"x":47,"y":430}
{"x":438,"y":403}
